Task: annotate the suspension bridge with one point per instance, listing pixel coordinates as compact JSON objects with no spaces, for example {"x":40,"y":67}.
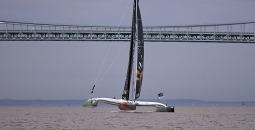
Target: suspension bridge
{"x":241,"y":32}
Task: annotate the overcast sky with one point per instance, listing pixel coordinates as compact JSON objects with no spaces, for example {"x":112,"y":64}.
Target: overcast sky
{"x":67,"y":70}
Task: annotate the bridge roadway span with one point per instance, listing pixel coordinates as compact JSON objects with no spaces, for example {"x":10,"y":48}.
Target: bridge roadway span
{"x":243,"y":32}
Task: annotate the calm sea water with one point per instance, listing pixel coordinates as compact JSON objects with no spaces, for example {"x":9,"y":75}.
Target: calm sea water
{"x":144,"y":118}
{"x":41,"y":102}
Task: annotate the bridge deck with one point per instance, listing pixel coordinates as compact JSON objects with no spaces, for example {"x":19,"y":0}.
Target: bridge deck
{"x":222,"y":33}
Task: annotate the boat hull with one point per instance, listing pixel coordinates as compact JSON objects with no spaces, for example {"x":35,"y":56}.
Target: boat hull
{"x":125,"y":105}
{"x":165,"y":109}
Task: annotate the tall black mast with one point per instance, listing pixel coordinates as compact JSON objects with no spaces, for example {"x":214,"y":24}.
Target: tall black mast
{"x":126,"y":91}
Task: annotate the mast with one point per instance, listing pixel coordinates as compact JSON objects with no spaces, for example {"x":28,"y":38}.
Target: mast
{"x":136,"y":47}
{"x":126,"y":90}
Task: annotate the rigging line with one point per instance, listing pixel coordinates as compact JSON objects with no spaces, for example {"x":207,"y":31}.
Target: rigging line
{"x":109,"y":48}
{"x":109,"y":67}
{"x":105,"y":57}
{"x":124,"y":13}
{"x":120,"y":22}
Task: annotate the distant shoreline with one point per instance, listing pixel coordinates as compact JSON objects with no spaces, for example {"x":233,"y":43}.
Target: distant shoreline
{"x":172,"y":102}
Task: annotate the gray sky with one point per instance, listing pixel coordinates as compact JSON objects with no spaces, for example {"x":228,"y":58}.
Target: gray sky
{"x":67,"y":70}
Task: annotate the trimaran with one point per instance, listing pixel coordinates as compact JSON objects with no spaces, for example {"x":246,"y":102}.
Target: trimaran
{"x":134,"y":75}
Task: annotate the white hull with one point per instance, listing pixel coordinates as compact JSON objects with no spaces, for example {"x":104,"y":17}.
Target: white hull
{"x":121,"y":101}
{"x":127,"y":105}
